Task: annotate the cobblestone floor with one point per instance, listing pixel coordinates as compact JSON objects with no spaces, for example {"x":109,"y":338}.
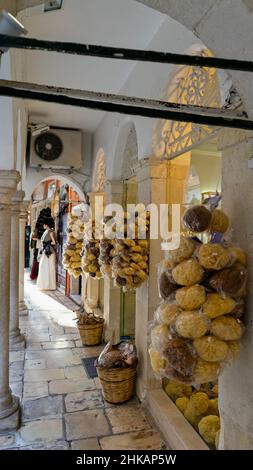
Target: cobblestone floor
{"x":61,"y":407}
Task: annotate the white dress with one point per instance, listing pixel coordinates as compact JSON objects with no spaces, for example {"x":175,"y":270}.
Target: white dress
{"x":47,"y":268}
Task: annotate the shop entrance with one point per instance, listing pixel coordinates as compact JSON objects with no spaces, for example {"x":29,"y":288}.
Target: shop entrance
{"x":56,"y":198}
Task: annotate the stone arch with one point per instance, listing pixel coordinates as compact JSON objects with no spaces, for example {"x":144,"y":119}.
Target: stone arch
{"x":224,"y":27}
{"x":198,"y":86}
{"x":65,"y":179}
{"x":99,"y":172}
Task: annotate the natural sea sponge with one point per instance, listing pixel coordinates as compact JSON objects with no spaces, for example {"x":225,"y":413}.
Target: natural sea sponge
{"x":167,"y":313}
{"x":213,"y":256}
{"x":208,"y":427}
{"x":219,"y":222}
{"x":181,"y":403}
{"x":226,"y":328}
{"x":213,"y":408}
{"x":230,"y":281}
{"x":206,"y":371}
{"x":174,"y":374}
{"x":197,"y":218}
{"x":192,"y":418}
{"x":198,"y":403}
{"x":191,"y":298}
{"x":191,"y":324}
{"x":175,"y":389}
{"x":216,"y":305}
{"x":211,"y":349}
{"x":180,"y":356}
{"x":157,"y":361}
{"x":187,"y":273}
{"x":166,"y":285}
{"x":185,"y":250}
{"x":238,"y":254}
{"x":215,"y":389}
{"x":159,"y":336}
{"x":239,"y":309}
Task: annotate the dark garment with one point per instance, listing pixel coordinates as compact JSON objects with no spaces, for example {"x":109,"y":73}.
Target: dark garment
{"x":34,"y":270}
{"x":47,"y":248}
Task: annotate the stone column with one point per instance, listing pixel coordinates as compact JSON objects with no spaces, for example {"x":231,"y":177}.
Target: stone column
{"x":9,"y":405}
{"x":152,"y":187}
{"x":23,"y":310}
{"x":114,"y":190}
{"x":236,"y":382}
{"x":17,"y":340}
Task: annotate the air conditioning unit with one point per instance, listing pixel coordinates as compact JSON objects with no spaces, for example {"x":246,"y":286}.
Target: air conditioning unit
{"x":56,"y":148}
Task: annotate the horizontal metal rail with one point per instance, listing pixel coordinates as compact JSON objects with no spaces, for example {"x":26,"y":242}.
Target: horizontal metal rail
{"x":126,"y":105}
{"x":124,"y":54}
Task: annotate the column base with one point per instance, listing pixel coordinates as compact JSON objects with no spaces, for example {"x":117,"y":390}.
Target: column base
{"x":17,"y":341}
{"x":10,"y":418}
{"x":23,"y":309}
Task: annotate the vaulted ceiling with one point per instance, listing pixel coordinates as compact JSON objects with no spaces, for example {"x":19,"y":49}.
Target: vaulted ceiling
{"x":111,"y":22}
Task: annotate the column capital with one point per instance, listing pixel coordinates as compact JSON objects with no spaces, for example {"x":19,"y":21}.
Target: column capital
{"x":24,"y":210}
{"x":8,"y":184}
{"x":151,"y":167}
{"x":16,"y":201}
{"x":18,"y":197}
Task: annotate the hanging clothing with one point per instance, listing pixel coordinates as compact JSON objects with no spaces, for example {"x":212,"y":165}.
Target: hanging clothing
{"x":47,"y":264}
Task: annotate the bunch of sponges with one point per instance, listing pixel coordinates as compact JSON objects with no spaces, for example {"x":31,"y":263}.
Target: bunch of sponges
{"x":198,"y":408}
{"x":107,"y":247}
{"x":130,"y":264}
{"x":73,"y":247}
{"x":91,"y":251}
{"x":202,"y":286}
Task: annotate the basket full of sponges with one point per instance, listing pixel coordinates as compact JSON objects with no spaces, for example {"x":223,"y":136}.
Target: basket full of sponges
{"x":90,"y":327}
{"x":116,"y":369}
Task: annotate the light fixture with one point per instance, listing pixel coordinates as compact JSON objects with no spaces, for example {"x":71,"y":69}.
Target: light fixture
{"x":10,"y":26}
{"x":51,"y":5}
{"x":38,"y":129}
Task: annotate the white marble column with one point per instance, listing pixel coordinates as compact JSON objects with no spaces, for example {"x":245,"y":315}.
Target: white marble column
{"x":17,"y":340}
{"x":152,"y":187}
{"x":9,"y":404}
{"x":114,"y":195}
{"x":23,"y":310}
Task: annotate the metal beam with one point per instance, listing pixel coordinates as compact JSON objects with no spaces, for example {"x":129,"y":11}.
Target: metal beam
{"x":125,"y":105}
{"x":124,"y":54}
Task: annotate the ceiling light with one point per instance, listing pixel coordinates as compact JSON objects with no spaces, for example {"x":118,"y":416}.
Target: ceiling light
{"x":37,"y":129}
{"x":10,"y":26}
{"x":51,"y":5}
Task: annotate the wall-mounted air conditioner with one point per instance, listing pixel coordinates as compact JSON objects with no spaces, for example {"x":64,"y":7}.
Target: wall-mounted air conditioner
{"x":56,"y":148}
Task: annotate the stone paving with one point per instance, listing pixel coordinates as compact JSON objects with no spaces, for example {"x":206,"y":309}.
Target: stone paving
{"x":61,"y":407}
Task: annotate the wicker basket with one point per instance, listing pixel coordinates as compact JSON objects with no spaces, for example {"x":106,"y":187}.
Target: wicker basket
{"x":117,"y":384}
{"x":91,"y":335}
